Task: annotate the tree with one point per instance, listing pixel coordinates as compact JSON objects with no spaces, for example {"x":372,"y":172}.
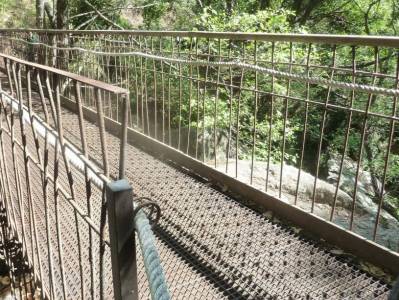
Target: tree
{"x":39,"y":13}
{"x":61,"y":15}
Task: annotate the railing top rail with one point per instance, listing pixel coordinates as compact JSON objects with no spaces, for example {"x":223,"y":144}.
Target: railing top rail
{"x":333,"y":39}
{"x":95,"y":83}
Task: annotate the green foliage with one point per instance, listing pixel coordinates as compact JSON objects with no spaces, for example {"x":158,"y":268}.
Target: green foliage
{"x":110,"y":9}
{"x":152,"y":15}
{"x":13,"y":16}
{"x":263,"y":21}
{"x":356,"y":17}
{"x":319,"y":16}
{"x":168,"y":14}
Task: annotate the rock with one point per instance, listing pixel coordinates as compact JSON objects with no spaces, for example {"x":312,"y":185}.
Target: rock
{"x":365,"y":188}
{"x":5,"y":280}
{"x":365,"y":194}
{"x":188,"y":141}
{"x":337,"y":252}
{"x":365,"y":208}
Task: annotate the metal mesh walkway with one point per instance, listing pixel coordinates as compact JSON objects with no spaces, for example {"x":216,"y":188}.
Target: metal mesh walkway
{"x":213,"y":247}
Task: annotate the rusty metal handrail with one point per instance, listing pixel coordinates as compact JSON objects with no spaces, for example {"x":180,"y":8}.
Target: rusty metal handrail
{"x":85,"y":80}
{"x":333,"y":39}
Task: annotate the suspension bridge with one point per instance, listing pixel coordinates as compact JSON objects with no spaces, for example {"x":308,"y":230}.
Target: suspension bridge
{"x":104,"y":134}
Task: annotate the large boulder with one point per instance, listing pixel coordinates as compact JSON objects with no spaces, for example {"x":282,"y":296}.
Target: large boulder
{"x":365,"y":190}
{"x":325,"y":193}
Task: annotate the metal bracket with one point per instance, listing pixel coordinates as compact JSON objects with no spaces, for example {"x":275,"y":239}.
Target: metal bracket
{"x":150,"y":208}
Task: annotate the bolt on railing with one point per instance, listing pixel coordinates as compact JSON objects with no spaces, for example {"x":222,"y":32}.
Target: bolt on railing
{"x":55,"y":183}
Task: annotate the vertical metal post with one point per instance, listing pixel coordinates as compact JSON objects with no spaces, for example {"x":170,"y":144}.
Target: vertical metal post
{"x":122,"y":239}
{"x":123,"y":134}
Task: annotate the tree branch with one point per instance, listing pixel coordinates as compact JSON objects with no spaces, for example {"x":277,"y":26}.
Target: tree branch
{"x":367,"y":16}
{"x":82,"y":15}
{"x":133,"y":7}
{"x":112,"y":9}
{"x":86,"y":22}
{"x":102,"y":16}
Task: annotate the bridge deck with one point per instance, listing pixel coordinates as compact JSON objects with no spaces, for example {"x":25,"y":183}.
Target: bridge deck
{"x":211,"y":246}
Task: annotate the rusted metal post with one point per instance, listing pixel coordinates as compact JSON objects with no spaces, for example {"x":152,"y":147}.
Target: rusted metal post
{"x":122,"y":239}
{"x":123,"y":134}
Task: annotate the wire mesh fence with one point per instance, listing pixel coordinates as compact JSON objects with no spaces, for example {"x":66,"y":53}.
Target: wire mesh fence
{"x":310,"y":120}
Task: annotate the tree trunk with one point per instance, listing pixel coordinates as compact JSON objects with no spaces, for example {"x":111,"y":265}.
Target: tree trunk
{"x":229,"y":7}
{"x":304,"y":10}
{"x":61,"y":17}
{"x":61,"y":13}
{"x":264,"y":4}
{"x":49,"y":11}
{"x":39,"y":13}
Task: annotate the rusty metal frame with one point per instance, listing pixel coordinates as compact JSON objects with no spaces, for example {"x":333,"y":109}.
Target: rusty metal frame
{"x":380,"y":41}
{"x":99,"y":84}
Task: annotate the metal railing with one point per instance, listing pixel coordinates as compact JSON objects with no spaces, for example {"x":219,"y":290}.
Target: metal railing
{"x":57,"y":189}
{"x":307,"y":119}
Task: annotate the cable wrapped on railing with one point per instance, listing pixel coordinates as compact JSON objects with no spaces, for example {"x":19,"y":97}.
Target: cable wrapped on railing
{"x":152,"y":262}
{"x":126,"y":218}
{"x":236,"y":64}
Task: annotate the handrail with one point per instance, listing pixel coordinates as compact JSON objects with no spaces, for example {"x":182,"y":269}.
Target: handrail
{"x":96,"y":83}
{"x":333,"y":39}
